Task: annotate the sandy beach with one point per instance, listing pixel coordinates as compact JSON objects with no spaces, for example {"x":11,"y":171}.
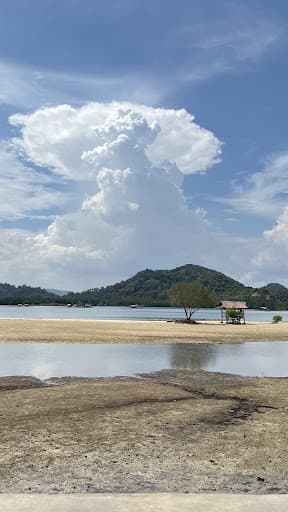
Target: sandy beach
{"x":130,"y":331}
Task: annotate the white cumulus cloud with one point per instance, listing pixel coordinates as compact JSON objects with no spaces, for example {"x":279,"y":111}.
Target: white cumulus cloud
{"x":133,"y":214}
{"x":63,"y":137}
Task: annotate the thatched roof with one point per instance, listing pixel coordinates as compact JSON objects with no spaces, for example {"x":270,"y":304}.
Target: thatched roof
{"x":233,"y":304}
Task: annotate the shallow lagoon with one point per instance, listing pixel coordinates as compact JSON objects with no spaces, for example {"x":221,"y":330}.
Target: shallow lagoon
{"x":44,"y":361}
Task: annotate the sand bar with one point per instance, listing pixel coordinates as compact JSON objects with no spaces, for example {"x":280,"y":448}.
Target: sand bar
{"x":132,"y":331}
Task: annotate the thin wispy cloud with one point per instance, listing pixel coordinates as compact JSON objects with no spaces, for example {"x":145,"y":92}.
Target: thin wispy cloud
{"x":25,"y":191}
{"x":30,"y":88}
{"x":205,"y":51}
{"x":263,"y":193}
{"x":219,"y":47}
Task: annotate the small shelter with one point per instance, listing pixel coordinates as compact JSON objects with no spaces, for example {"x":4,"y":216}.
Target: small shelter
{"x":233,"y":311}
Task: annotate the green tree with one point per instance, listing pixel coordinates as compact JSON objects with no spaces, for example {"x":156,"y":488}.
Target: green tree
{"x":191,"y":297}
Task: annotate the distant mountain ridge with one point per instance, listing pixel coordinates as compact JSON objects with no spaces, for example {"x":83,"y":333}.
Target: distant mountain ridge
{"x":23,"y":294}
{"x":149,"y":288}
{"x":61,"y":293}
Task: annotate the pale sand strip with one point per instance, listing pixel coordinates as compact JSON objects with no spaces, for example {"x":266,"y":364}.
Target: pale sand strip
{"x":130,"y":331}
{"x":148,"y":502}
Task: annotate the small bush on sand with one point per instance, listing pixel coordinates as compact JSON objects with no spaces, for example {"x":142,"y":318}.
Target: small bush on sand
{"x":276,"y":319}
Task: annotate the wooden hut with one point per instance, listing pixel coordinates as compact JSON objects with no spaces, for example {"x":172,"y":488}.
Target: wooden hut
{"x":233,"y":311}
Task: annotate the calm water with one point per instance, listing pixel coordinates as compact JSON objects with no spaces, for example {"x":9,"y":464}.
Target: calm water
{"x":82,"y":360}
{"x":122,"y":313}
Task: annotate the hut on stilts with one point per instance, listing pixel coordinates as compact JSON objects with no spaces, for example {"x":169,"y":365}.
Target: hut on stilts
{"x":233,"y":312}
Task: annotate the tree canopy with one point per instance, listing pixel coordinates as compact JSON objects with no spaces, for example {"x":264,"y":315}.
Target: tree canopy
{"x":191,"y":297}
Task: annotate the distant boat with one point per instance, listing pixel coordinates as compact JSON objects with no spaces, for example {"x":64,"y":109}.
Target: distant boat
{"x":134,"y":306}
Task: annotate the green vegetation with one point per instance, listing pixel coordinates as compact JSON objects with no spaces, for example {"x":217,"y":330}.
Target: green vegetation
{"x":149,"y":288}
{"x":234,"y":316}
{"x":232,"y":313}
{"x":276,"y":319}
{"x":10,"y":295}
{"x":191,"y":297}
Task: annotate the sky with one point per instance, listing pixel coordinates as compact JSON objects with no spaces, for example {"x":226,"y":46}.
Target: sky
{"x":142,"y":135}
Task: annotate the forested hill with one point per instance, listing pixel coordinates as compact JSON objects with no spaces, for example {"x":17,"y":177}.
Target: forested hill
{"x":149,"y":288}
{"x":10,"y":294}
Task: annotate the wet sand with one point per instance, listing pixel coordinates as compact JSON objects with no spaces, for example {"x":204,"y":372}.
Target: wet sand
{"x":132,"y":331}
{"x":169,"y":431}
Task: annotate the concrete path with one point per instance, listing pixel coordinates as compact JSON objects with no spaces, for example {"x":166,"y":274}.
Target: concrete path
{"x":143,"y":502}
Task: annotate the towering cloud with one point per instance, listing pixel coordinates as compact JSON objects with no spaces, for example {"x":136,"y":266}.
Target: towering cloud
{"x":125,"y":163}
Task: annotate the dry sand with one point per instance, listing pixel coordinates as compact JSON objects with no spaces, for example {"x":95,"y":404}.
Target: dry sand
{"x":122,"y":331}
{"x":175,"y":431}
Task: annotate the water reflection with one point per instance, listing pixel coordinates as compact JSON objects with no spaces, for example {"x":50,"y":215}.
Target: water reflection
{"x":86,"y":360}
{"x":191,"y":357}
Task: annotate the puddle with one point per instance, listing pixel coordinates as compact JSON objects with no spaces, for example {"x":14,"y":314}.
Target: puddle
{"x":45,"y":361}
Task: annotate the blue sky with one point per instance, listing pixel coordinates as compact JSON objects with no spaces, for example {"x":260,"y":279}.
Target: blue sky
{"x":224,"y":62}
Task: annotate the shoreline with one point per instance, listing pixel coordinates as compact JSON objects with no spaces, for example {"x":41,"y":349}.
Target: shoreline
{"x":135,"y":331}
